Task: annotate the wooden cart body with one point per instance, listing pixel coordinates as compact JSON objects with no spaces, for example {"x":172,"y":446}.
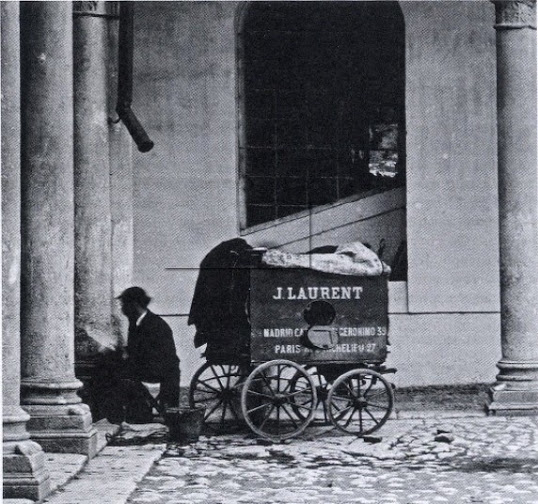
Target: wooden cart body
{"x":280,"y":297}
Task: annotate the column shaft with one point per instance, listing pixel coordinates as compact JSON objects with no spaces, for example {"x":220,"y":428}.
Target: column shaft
{"x":24,"y":474}
{"x":93,"y":267}
{"x":49,"y":387}
{"x":516,"y":390}
{"x":121,"y":186}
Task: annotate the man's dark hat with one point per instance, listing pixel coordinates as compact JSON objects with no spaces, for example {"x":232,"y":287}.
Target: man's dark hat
{"x":136,"y":294}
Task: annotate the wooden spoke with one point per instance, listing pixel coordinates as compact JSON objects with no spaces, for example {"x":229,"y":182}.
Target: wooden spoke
{"x":353,"y":391}
{"x":218,"y":387}
{"x":270,"y":402}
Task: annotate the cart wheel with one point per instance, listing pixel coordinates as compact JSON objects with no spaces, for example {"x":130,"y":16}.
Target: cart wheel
{"x":217,"y":387}
{"x":270,"y":405}
{"x":360,"y":401}
{"x":322,"y":390}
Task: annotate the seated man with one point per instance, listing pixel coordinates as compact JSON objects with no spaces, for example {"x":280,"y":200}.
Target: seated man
{"x":151,"y":351}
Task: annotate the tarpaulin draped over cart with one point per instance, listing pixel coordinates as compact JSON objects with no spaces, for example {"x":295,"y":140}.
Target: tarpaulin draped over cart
{"x":221,"y":292}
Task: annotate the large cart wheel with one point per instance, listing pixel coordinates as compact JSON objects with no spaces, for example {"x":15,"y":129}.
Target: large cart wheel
{"x":217,"y":387}
{"x":360,"y":401}
{"x":322,"y":391}
{"x":270,"y":406}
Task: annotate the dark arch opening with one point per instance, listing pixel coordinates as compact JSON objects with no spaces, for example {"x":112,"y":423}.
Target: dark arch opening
{"x":322,"y":94}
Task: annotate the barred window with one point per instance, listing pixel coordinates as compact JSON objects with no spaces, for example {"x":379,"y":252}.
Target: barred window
{"x":322,"y":104}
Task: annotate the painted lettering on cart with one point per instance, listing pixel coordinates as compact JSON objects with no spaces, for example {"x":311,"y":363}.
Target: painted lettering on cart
{"x":286,"y":332}
{"x":354,"y":348}
{"x":344,"y":332}
{"x":284,"y":293}
{"x":288,"y":349}
{"x":356,"y":331}
{"x":340,"y":348}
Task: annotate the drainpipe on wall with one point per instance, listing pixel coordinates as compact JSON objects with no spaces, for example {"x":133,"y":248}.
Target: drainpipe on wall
{"x":125,"y":79}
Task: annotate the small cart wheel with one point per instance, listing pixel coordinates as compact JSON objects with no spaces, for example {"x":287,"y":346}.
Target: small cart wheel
{"x":217,"y":387}
{"x":270,"y":405}
{"x":322,"y":390}
{"x":360,"y":402}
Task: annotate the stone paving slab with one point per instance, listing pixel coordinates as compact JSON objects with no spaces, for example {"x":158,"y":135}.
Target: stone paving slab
{"x":63,"y":467}
{"x":111,"y":477}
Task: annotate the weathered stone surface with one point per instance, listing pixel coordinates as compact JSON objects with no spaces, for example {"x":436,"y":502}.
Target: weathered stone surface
{"x":110,"y":477}
{"x":48,"y":383}
{"x":24,"y":474}
{"x":93,"y":272}
{"x":516,"y":390}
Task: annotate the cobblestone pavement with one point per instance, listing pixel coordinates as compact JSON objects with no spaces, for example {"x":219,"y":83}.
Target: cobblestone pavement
{"x":492,"y":460}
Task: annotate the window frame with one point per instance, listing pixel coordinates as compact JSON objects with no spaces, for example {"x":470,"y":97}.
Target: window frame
{"x":243,"y":176}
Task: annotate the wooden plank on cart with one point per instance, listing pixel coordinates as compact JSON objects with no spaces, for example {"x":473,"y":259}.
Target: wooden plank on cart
{"x":279,"y":299}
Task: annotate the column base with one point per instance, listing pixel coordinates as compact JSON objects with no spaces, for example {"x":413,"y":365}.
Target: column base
{"x":516,"y":390}
{"x":509,"y":402}
{"x":25,"y":476}
{"x":59,"y":421}
{"x":63,"y":428}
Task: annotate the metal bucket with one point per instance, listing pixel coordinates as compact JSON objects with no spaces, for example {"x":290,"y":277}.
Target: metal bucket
{"x":185,"y":424}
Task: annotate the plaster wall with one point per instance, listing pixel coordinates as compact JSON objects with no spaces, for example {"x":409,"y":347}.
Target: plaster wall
{"x":444,"y":348}
{"x":185,"y":199}
{"x":452,"y":203}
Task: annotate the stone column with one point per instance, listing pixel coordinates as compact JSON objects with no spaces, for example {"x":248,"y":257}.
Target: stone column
{"x":121,"y":186}
{"x":93,"y":267}
{"x":516,"y":389}
{"x":59,"y":421}
{"x":121,"y":172}
{"x":24,"y":474}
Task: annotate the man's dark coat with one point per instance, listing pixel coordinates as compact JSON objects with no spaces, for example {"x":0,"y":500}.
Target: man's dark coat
{"x":153,"y":357}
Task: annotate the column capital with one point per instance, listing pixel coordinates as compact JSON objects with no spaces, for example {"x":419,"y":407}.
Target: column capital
{"x":512,"y":14}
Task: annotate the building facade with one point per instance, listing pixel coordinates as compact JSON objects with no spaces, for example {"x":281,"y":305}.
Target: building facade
{"x":426,"y":151}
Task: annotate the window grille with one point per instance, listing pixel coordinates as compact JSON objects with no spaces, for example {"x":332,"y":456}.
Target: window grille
{"x":322,"y":104}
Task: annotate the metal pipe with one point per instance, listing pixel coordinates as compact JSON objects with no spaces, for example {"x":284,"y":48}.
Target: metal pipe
{"x":125,"y":79}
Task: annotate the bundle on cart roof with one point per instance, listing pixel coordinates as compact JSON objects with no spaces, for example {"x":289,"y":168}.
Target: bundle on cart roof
{"x":349,"y":259}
